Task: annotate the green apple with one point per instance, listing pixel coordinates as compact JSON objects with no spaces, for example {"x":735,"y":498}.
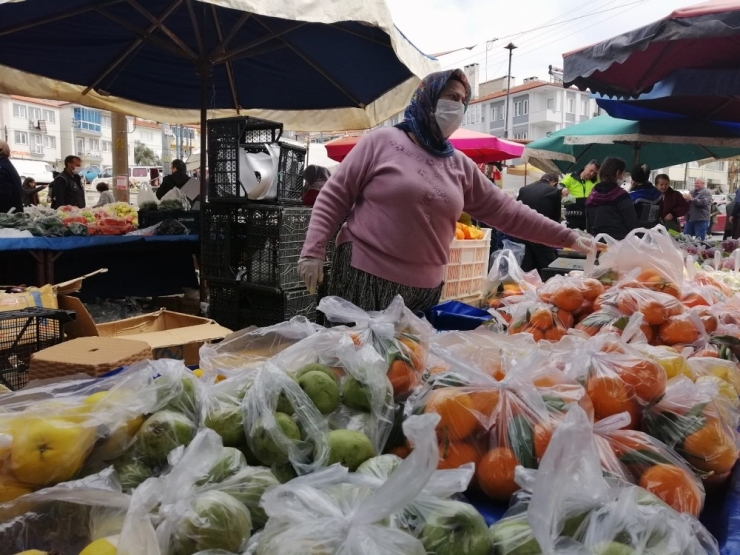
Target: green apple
{"x":612,"y":548}
{"x":355,"y":394}
{"x":215,"y":520}
{"x":349,"y":448}
{"x":132,"y":473}
{"x":380,"y":467}
{"x":227,"y":421}
{"x":229,"y":463}
{"x":247,"y":486}
{"x":321,"y":389}
{"x":284,"y":472}
{"x":456,"y":528}
{"x":265,"y":448}
{"x":182,"y":396}
{"x":513,"y":536}
{"x":315,"y":367}
{"x":161,"y":433}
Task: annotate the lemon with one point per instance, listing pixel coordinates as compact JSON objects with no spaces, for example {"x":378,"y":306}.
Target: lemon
{"x":673,"y":363}
{"x":95,"y":398}
{"x":103,"y":546}
{"x":725,"y":388}
{"x":198,"y":373}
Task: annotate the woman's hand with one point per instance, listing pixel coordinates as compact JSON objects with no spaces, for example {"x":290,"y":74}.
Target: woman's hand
{"x":586,"y":244}
{"x":311,"y":271}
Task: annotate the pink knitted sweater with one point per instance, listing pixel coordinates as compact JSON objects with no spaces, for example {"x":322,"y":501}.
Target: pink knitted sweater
{"x":401,"y":204}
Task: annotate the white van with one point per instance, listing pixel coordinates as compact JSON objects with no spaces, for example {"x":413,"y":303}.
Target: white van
{"x":137,"y":176}
{"x":38,"y":170}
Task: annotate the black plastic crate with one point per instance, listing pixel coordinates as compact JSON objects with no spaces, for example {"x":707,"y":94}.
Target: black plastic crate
{"x":259,"y":244}
{"x":24,"y":332}
{"x":188,"y":218}
{"x":236,"y":305}
{"x":225,"y":139}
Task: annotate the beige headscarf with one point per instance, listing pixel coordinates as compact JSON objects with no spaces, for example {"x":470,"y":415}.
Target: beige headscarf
{"x":4,"y":149}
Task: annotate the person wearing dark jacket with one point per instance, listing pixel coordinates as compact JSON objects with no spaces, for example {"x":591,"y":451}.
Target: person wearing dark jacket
{"x":609,"y":207}
{"x":175,"y":180}
{"x":675,"y":205}
{"x":11,"y":195}
{"x":544,"y":197}
{"x":31,"y":192}
{"x":67,"y":188}
{"x":648,"y":200}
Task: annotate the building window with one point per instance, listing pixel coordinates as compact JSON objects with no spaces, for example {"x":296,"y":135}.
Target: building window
{"x":571,"y":105}
{"x":94,"y":145}
{"x":19,"y":111}
{"x":50,"y":141}
{"x":503,"y":112}
{"x":50,"y":116}
{"x":37,"y":143}
{"x":517,"y":109}
{"x":147,"y":136}
{"x":34,"y":114}
{"x":106,"y":146}
{"x":80,"y":147}
{"x":524,"y":135}
{"x":21,"y":137}
{"x":87,"y":119}
{"x":716,"y":166}
{"x":105,"y":121}
{"x":525,"y":107}
{"x":551,"y":104}
{"x":494,"y":114}
{"x":584,"y":107}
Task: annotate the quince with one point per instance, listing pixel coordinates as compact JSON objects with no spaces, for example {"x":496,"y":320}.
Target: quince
{"x":48,"y":451}
{"x":103,"y":546}
{"x":10,"y":490}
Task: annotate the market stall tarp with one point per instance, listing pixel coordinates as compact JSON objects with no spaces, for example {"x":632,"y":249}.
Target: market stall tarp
{"x":703,"y":36}
{"x":313,"y":65}
{"x":658,"y":143}
{"x":74,"y":243}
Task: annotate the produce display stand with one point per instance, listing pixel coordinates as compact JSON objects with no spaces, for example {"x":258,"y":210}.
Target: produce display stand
{"x":139,"y":266}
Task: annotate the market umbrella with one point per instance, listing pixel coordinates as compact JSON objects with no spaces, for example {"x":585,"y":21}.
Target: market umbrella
{"x":658,"y":143}
{"x":479,"y":147}
{"x":703,"y":36}
{"x":312,"y":65}
{"x":691,"y":93}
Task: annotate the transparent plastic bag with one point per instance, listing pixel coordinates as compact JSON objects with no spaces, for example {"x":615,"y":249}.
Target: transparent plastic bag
{"x":506,"y":279}
{"x":694,"y":420}
{"x":400,"y":337}
{"x":146,"y":197}
{"x":542,"y":320}
{"x":574,"y":295}
{"x":332,"y":512}
{"x":246,"y":348}
{"x":174,"y":199}
{"x":517,"y":249}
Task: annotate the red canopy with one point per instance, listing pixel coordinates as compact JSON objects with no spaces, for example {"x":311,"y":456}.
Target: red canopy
{"x":704,"y":36}
{"x":479,"y":147}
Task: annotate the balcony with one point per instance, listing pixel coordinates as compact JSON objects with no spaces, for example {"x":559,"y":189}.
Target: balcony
{"x":90,"y":155}
{"x":36,"y":150}
{"x":87,"y":128}
{"x":544,"y":117}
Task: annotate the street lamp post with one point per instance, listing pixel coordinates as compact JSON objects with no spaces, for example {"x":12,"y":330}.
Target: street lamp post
{"x":510,"y":47}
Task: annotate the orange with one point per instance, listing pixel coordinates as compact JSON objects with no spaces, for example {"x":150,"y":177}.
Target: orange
{"x":415,"y":352}
{"x":485,"y":401}
{"x":612,"y":347}
{"x":675,"y":486}
{"x":647,"y":378}
{"x":610,"y":395}
{"x":403,"y":378}
{"x":456,"y":410}
{"x":567,"y":297}
{"x":591,"y":288}
{"x":402,"y":451}
{"x":624,"y":442}
{"x":356,"y":339}
{"x":653,"y":312}
{"x":564,"y":318}
{"x":459,"y":234}
{"x":648,"y":333}
{"x":542,"y":436}
{"x":541,"y":319}
{"x":555,"y":334}
{"x":495,"y":473}
{"x":693,"y":300}
{"x":707,"y":352}
{"x":512,"y":290}
{"x":454,"y":454}
{"x":709,"y":320}
{"x":711,"y":449}
{"x":679,"y":329}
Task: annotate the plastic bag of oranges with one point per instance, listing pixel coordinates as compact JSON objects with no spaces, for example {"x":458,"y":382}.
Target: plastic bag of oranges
{"x":396,"y":333}
{"x":617,"y":378}
{"x":507,"y":279}
{"x":694,"y":420}
{"x":542,"y":320}
{"x":495,"y":425}
{"x":635,"y":457}
{"x":571,"y":294}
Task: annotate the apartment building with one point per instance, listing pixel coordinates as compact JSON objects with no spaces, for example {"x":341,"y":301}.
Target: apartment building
{"x":714,"y":174}
{"x":32,"y":128}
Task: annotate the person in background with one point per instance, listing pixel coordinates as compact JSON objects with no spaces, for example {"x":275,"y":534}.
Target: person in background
{"x":700,"y":205}
{"x":610,"y":208}
{"x":31,"y":192}
{"x":733,"y":215}
{"x":675,"y":205}
{"x":728,"y":231}
{"x":544,"y":197}
{"x":314,"y":178}
{"x":397,"y":197}
{"x":67,"y":189}
{"x":106,"y":196}
{"x":175,"y":180}
{"x":648,"y":200}
{"x":579,"y":186}
{"x":11,"y":193}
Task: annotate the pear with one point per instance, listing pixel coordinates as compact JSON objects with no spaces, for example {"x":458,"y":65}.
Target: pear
{"x":161,"y":433}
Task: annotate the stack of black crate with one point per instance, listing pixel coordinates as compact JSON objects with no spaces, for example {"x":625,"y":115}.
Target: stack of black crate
{"x":250,"y":249}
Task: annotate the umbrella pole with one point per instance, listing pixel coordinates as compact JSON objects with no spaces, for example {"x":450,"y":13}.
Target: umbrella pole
{"x":526,"y":169}
{"x":204,"y":72}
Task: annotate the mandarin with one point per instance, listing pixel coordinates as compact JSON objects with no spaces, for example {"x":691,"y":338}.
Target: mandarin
{"x":653,"y":312}
{"x":495,"y":473}
{"x":678,"y":329}
{"x":610,"y":395}
{"x":555,"y":334}
{"x":693,"y":300}
{"x":403,"y":378}
{"x":675,"y":486}
{"x":454,"y":454}
{"x":457,"y":413}
{"x":647,"y":378}
{"x":485,"y":401}
{"x":564,"y":318}
{"x":541,"y":319}
{"x":415,"y":352}
{"x":567,"y":297}
{"x":542,"y":436}
{"x":591,"y":288}
{"x":712,"y":448}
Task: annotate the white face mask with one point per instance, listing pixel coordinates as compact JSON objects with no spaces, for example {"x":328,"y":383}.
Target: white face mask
{"x":449,"y":116}
{"x":77,"y":171}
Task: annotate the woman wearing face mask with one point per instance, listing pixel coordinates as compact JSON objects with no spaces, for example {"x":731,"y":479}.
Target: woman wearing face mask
{"x":397,"y":197}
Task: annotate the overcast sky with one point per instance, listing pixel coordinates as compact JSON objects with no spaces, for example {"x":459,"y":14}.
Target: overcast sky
{"x":550,"y":27}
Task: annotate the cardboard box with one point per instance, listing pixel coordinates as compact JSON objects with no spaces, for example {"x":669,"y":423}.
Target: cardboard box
{"x":169,"y":334}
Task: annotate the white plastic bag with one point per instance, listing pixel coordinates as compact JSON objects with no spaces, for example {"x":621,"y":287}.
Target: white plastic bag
{"x":258,"y":171}
{"x":174,"y":199}
{"x":146,"y":196}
